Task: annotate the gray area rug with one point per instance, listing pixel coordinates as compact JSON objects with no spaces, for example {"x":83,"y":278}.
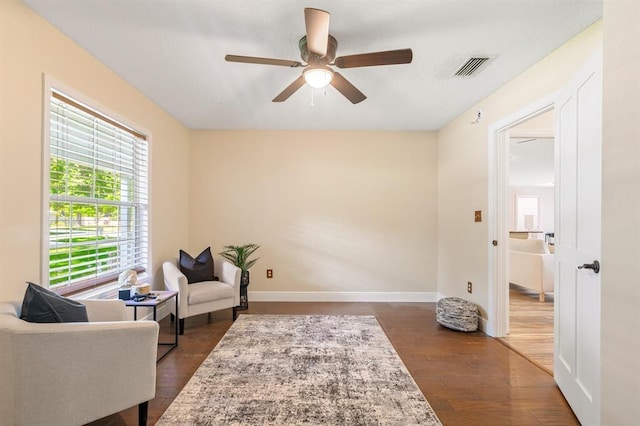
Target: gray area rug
{"x":298,"y":369}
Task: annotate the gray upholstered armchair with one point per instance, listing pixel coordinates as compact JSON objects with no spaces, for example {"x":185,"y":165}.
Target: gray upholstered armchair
{"x":207,"y":296}
{"x":74,"y":373}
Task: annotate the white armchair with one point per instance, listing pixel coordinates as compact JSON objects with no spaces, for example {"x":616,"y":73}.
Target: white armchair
{"x":74,"y":373}
{"x":531,"y":265}
{"x":207,"y":296}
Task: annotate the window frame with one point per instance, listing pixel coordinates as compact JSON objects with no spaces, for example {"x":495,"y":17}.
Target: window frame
{"x":50,"y":85}
{"x":537,"y":225}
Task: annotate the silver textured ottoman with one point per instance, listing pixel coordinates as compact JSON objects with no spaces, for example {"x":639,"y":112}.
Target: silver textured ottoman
{"x":457,"y":314}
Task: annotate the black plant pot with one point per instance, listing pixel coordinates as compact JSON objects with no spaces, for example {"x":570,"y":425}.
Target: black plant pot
{"x":244,"y":298}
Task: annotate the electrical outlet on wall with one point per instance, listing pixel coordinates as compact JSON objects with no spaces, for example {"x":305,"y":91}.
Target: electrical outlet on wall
{"x":269,"y":273}
{"x":469,"y":287}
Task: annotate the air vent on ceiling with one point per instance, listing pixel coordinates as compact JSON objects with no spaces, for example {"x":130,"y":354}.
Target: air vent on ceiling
{"x":473,"y":65}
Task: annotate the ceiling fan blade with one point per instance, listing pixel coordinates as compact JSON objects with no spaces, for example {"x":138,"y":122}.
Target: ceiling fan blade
{"x":263,"y":61}
{"x":349,"y":91}
{"x":290,"y":90}
{"x":317,"y":24}
{"x":390,"y":57}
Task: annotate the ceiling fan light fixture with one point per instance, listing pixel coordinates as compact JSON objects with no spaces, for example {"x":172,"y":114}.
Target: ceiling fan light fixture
{"x":318,"y":77}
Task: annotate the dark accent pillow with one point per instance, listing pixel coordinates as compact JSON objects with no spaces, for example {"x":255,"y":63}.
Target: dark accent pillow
{"x":42,"y":305}
{"x":198,"y":269}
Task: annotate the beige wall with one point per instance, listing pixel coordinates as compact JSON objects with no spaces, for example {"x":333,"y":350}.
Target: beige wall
{"x":333,"y":211}
{"x":463,"y":245}
{"x":544,"y":123}
{"x":621,"y":214}
{"x":30,"y":47}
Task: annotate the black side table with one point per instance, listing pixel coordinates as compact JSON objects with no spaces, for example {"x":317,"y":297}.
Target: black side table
{"x":161,"y":297}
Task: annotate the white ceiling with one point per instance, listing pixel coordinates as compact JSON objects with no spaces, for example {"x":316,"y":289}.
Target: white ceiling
{"x":173,"y":52}
{"x":531,"y":162}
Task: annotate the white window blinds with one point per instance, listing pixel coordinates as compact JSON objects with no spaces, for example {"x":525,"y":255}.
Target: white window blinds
{"x":98,"y":197}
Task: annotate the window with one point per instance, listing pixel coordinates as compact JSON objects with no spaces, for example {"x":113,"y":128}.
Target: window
{"x":97,"y":197}
{"x":528,"y":212}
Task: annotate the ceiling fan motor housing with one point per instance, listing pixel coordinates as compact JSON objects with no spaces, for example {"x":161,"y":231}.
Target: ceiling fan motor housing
{"x":312,"y":59}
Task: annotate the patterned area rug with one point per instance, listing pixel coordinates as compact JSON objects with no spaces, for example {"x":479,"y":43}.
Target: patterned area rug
{"x":296,"y":369}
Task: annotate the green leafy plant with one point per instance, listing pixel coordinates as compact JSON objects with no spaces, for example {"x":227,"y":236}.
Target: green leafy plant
{"x":239,"y":255}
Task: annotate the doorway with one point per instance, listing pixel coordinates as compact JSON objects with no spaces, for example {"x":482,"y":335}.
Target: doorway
{"x":531,"y":186}
{"x":500,"y":134}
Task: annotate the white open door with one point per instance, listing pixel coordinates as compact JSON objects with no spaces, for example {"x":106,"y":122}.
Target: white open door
{"x":578,"y":242}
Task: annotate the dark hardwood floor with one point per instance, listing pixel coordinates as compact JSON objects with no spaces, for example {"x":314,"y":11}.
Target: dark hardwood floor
{"x":468,"y":378}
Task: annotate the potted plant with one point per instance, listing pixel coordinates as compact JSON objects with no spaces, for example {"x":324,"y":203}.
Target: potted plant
{"x":239,"y":256}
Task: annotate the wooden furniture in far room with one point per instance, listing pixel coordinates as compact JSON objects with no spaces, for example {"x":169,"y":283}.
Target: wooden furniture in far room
{"x":525,"y":235}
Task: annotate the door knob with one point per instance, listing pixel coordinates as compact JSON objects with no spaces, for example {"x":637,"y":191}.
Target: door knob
{"x":595,"y":266}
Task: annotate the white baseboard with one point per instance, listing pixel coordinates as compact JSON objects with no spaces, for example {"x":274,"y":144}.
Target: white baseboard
{"x":327,"y":296}
{"x":161,"y":312}
{"x":482,"y":324}
{"x":341,"y":296}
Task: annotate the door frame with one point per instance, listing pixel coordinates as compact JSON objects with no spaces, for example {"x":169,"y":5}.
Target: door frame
{"x":498,"y":212}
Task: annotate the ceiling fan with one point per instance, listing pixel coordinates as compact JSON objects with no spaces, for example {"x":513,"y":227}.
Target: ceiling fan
{"x":318,"y":50}
{"x":526,"y":140}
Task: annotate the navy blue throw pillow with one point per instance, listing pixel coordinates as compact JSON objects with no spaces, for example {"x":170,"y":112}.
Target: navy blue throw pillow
{"x":197,"y":269}
{"x":42,"y":305}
